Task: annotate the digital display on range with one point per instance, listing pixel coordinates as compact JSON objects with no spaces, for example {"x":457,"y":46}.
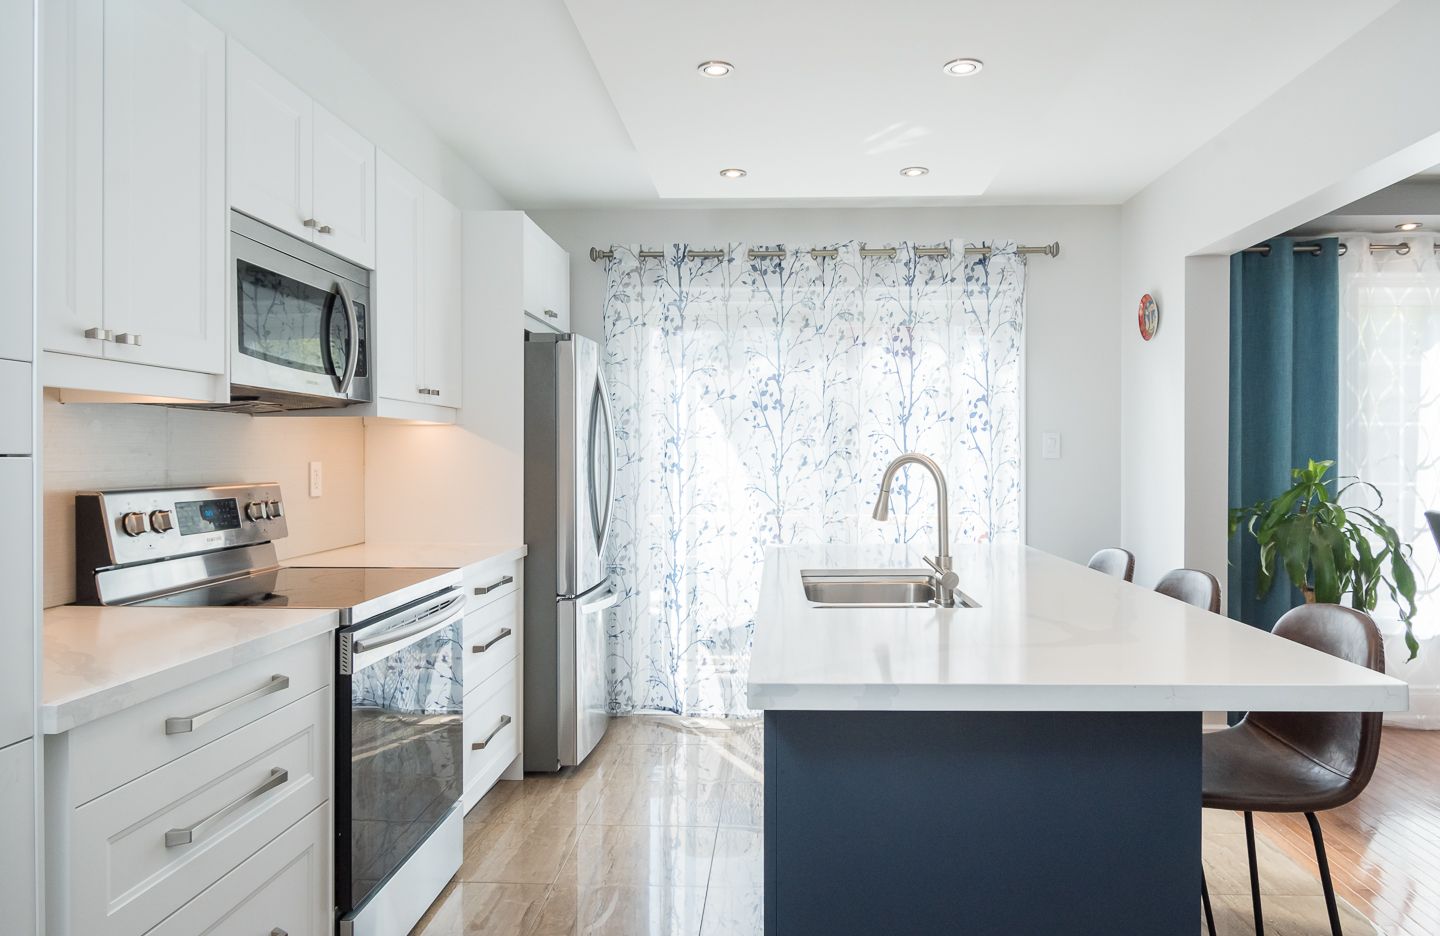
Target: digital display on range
{"x":207,"y":516}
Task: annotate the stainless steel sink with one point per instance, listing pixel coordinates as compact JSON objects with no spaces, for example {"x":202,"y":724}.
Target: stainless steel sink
{"x":874,"y":588}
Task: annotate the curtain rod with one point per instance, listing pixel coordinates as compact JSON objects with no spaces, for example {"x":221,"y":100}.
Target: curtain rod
{"x":1401,"y":248}
{"x":1048,"y":250}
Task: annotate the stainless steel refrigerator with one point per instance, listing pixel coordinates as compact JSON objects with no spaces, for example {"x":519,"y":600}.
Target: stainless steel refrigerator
{"x":569,"y":486}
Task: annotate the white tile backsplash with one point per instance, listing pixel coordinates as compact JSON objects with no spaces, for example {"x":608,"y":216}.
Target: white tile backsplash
{"x":90,"y":446}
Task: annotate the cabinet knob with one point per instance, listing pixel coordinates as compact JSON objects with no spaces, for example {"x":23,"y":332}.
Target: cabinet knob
{"x":551,"y":313}
{"x":277,"y":931}
{"x":128,"y":339}
{"x":100,"y":334}
{"x":309,"y":222}
{"x":325,"y":229}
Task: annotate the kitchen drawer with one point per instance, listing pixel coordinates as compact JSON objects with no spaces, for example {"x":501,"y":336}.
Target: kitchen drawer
{"x":282,"y":888}
{"x":130,"y":865}
{"x":492,"y":638}
{"x":492,"y":715}
{"x":118,"y":748}
{"x":491,"y":582}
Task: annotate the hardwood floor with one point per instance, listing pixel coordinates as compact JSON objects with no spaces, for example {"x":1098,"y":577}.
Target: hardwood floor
{"x":659,"y":833}
{"x":1384,"y":848}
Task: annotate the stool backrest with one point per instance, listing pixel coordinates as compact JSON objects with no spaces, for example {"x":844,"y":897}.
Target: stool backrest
{"x":1114,"y":561}
{"x":1193,"y":587}
{"x":1346,"y":742}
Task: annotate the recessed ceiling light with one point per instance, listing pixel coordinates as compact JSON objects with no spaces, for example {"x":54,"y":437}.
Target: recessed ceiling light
{"x":733,"y":173}
{"x":715,"y":68}
{"x":1409,"y":226}
{"x":963,"y":67}
{"x":912,"y":171}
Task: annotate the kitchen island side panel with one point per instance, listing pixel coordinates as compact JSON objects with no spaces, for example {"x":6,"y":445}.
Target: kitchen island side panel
{"x":982,"y":822}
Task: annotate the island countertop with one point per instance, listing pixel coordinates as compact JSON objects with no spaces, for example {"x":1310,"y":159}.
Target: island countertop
{"x":1048,"y":635}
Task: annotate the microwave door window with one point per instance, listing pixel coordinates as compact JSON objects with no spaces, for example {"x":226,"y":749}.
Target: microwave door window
{"x":281,"y":320}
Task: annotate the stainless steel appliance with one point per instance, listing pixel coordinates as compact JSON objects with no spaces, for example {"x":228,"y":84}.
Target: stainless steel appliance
{"x":398,"y":682}
{"x":569,"y":487}
{"x":302,"y":324}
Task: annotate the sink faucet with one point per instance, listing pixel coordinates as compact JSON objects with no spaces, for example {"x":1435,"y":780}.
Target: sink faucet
{"x":946,"y":579}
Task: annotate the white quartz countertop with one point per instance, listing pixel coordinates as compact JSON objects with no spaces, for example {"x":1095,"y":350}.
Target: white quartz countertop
{"x":1049,"y":635}
{"x":99,"y":660}
{"x":413,"y":555}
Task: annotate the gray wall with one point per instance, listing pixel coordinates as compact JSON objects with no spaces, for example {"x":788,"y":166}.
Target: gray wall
{"x":1072,"y":357}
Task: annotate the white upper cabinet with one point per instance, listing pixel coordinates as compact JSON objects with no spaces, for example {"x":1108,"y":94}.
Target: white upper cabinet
{"x":443,"y":297}
{"x":417,"y":293}
{"x":271,"y":140}
{"x":165,"y":239}
{"x":546,"y":272}
{"x":132,"y":236}
{"x":400,"y":219}
{"x":296,"y":166}
{"x":344,"y":189}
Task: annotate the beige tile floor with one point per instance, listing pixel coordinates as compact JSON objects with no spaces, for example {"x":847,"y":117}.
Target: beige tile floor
{"x":658,"y":833}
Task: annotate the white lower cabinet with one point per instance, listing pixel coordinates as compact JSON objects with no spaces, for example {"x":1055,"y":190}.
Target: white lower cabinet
{"x":17,"y":601}
{"x":227,"y":831}
{"x":17,"y":837}
{"x":494,"y":637}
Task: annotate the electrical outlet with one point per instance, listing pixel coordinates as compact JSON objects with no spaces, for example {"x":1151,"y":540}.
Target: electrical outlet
{"x":316,"y":481}
{"x":1050,"y":445}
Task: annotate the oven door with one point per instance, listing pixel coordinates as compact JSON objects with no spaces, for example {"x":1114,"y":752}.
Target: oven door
{"x":302,"y":318}
{"x":398,"y":746}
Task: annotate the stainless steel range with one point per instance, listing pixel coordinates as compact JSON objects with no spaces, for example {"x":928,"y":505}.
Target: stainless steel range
{"x":398,"y":671}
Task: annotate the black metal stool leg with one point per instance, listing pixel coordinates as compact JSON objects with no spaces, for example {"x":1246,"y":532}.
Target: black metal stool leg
{"x":1324,"y":864}
{"x":1205,"y":900}
{"x":1254,"y":875}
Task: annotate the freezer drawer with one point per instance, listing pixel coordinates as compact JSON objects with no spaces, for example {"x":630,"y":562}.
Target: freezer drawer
{"x":583,"y":713}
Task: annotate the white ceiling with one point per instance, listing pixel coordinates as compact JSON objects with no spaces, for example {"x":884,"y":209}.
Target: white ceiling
{"x":597,"y":102}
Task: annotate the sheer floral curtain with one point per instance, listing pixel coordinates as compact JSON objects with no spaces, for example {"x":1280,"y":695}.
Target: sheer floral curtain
{"x":1390,"y":425}
{"x":758,"y":401}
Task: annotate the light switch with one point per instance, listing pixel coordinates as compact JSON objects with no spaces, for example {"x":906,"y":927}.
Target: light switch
{"x":1050,"y":444}
{"x":315,"y":479}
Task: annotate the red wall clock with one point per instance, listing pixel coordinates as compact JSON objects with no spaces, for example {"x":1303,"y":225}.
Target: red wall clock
{"x":1149,"y":316}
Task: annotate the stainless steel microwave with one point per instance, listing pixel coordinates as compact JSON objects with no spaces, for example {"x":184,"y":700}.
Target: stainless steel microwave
{"x":302,"y":323}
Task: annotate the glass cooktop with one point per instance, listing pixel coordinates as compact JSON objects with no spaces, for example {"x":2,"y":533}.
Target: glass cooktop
{"x":300,"y":587}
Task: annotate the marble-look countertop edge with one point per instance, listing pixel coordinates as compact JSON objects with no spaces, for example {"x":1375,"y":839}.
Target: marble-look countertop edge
{"x":459,"y":556}
{"x":60,"y":715}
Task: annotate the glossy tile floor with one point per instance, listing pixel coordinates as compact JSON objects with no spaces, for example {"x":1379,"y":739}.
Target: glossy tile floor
{"x":658,"y":833}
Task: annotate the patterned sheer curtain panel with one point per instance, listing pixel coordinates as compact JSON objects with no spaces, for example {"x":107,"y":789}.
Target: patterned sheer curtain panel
{"x":758,"y":401}
{"x":1390,"y":423}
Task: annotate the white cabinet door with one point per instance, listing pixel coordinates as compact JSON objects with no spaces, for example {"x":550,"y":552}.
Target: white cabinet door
{"x":533,"y":253}
{"x":68,"y":239}
{"x":557,"y":282}
{"x":400,"y":212}
{"x":17,"y":176}
{"x":344,"y":190}
{"x":165,"y":219}
{"x":442,"y":300}
{"x":17,"y":837}
{"x":270,"y":141}
{"x":17,"y":601}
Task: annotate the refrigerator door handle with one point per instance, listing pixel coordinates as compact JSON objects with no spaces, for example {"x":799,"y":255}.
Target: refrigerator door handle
{"x":606,"y":597}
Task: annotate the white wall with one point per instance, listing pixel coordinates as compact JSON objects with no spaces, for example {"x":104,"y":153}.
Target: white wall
{"x":1072,"y":380}
{"x":100,"y":446}
{"x":1320,"y":142}
{"x":279,"y":32}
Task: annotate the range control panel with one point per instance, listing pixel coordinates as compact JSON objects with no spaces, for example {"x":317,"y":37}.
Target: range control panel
{"x":117,"y":528}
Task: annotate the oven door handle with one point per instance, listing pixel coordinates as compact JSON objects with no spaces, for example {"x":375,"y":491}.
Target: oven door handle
{"x":445,"y":614}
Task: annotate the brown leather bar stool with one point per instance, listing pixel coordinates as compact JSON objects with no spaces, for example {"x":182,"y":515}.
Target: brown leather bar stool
{"x":1114,"y":561}
{"x":1299,"y":761}
{"x":1193,"y":587}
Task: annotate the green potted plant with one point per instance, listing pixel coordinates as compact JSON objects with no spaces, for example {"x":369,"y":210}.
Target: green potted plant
{"x":1329,"y":551}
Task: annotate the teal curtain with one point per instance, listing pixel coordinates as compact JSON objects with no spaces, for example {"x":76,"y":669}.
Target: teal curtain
{"x":1284,"y":393}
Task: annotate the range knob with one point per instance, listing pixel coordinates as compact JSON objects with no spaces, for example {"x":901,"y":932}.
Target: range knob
{"x":161,"y":521}
{"x":257,"y":510}
{"x":275,"y":509}
{"x":133,"y":523}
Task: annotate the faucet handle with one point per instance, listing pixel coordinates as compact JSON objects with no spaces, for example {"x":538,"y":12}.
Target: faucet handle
{"x":949,"y":579}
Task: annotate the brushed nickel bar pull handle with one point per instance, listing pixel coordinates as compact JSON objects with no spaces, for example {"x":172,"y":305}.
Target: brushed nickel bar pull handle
{"x":325,"y":229}
{"x":551,"y":313}
{"x":126,"y":338}
{"x":277,"y":931}
{"x":182,"y":725}
{"x":100,"y":334}
{"x":310,"y":222}
{"x":185,"y":836}
{"x":487,"y":589}
{"x":480,"y":745}
{"x":481,"y":648}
